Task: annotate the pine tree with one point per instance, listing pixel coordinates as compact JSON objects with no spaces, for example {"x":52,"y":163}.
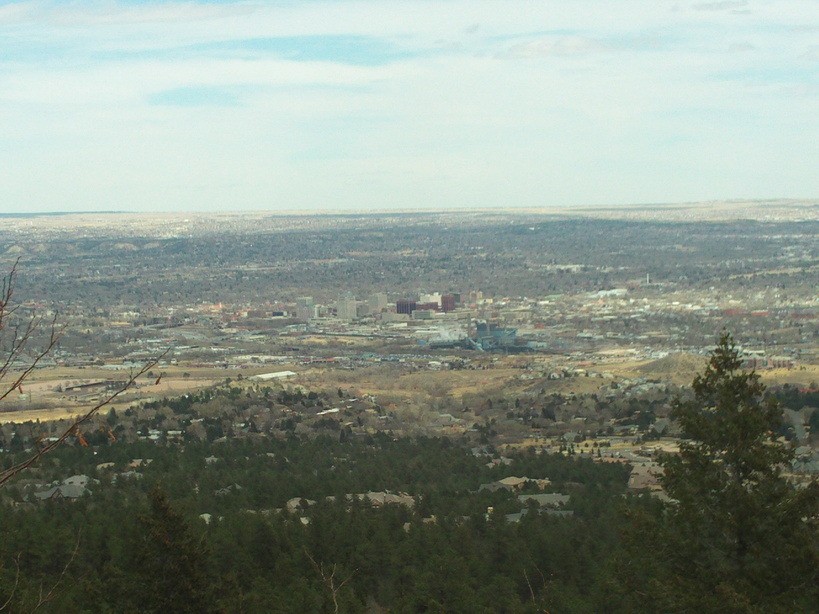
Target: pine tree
{"x":739,"y":536}
{"x":170,"y":563}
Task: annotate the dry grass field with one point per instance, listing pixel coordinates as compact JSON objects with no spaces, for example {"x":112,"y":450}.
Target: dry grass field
{"x":47,"y":395}
{"x":682,"y":368}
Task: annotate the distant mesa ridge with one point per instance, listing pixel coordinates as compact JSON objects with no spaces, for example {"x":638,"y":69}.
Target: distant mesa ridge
{"x":57,"y":213}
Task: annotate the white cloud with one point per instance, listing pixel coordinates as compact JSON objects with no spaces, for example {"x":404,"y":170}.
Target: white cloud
{"x":721,"y":5}
{"x":560,"y":46}
{"x":506,"y":102}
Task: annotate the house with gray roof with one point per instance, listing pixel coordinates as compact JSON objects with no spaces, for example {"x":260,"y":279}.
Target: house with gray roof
{"x":71,"y":488}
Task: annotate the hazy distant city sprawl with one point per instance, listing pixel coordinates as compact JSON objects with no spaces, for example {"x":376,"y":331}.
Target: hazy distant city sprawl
{"x":399,"y":307}
{"x":606,"y":304}
{"x":565,"y":282}
{"x":554,"y":351}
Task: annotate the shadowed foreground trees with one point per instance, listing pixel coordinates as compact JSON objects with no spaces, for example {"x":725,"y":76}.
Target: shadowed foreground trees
{"x":739,"y":537}
{"x":170,"y":566}
{"x":139,"y":553}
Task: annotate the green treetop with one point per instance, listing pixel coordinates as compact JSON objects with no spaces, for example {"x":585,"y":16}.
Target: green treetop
{"x":740,"y":536}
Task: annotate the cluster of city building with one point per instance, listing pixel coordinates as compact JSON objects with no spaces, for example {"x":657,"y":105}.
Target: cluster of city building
{"x":348,"y":308}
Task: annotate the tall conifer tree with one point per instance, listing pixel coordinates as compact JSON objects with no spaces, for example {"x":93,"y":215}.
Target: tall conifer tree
{"x":738,"y":536}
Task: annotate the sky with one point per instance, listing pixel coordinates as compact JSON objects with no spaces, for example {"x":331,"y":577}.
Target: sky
{"x":338,"y":105}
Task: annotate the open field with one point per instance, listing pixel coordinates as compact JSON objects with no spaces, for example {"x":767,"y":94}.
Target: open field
{"x":420,"y":385}
{"x":51,"y":393}
{"x":43,"y":402}
{"x":48,"y":394}
{"x":681,"y":369}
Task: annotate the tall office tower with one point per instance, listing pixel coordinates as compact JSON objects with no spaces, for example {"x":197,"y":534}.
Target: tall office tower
{"x":347,"y":308}
{"x":377,"y":303}
{"x":404,"y":306}
{"x":305,"y":310}
{"x":448,"y":302}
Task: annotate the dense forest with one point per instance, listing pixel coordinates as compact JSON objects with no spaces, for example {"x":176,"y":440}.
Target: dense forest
{"x":377,"y":523}
{"x":445,"y":552}
{"x":270,"y":527}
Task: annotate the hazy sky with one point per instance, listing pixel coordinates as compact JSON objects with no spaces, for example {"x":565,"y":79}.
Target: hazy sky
{"x":379,"y":104}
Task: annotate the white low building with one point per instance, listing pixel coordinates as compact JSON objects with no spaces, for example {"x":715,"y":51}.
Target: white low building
{"x":273,"y":376}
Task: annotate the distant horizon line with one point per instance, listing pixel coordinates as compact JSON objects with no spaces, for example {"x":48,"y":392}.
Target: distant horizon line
{"x":319,"y":212}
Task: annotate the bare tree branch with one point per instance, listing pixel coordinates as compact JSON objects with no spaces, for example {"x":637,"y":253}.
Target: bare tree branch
{"x":7,"y":292}
{"x":52,"y":592}
{"x":529,"y":584}
{"x":18,"y":345}
{"x":15,"y":339}
{"x":14,"y":586}
{"x":540,"y":607}
{"x":73,"y":428}
{"x":13,"y":342}
{"x":329,"y":579}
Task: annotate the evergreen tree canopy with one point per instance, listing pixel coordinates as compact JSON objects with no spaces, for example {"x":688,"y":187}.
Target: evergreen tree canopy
{"x":170,"y":563}
{"x":738,"y":536}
